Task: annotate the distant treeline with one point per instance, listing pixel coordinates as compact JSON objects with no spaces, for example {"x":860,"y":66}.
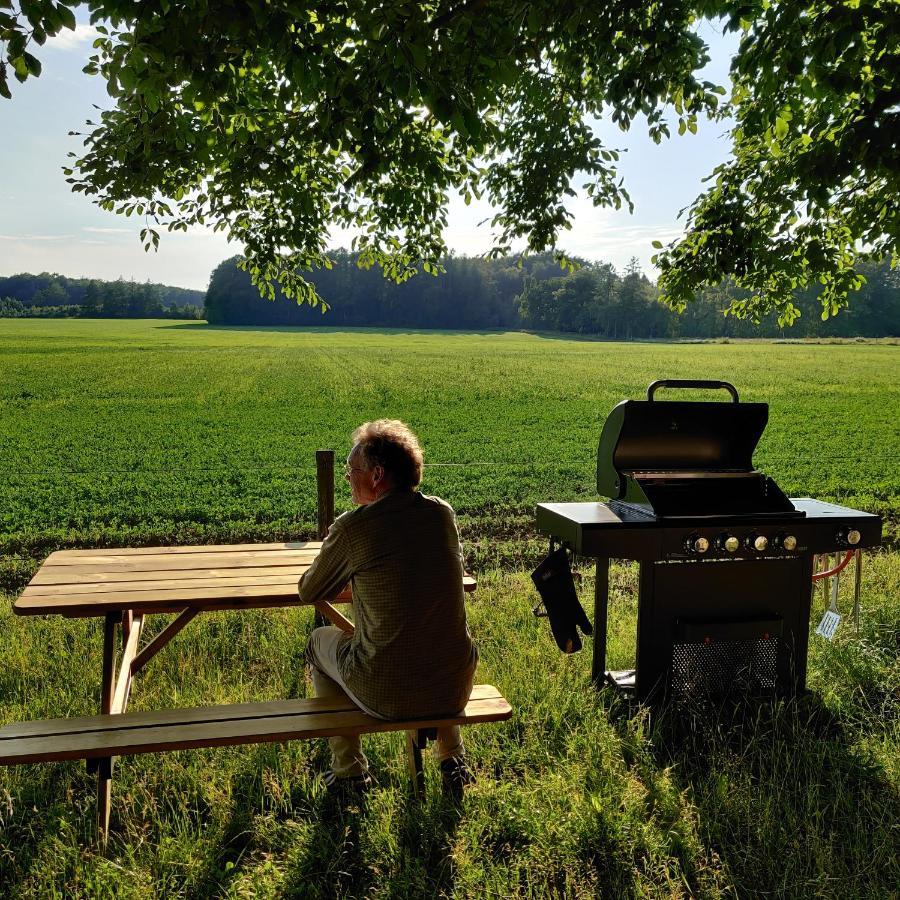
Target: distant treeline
{"x":477,"y":293}
{"x":50,"y":295}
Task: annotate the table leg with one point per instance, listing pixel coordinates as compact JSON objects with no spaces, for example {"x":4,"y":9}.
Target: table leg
{"x":105,"y":766}
{"x":415,"y":742}
{"x":601,"y":598}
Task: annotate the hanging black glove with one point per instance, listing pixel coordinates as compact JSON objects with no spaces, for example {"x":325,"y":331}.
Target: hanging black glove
{"x":553,"y":580}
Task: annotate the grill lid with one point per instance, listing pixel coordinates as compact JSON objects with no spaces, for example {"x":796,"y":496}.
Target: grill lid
{"x":687,"y":458}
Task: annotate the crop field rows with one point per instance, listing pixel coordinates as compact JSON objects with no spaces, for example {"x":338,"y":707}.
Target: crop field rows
{"x":123,"y":432}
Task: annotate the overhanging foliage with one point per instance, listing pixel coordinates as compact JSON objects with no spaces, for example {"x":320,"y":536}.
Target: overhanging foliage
{"x":274,"y":120}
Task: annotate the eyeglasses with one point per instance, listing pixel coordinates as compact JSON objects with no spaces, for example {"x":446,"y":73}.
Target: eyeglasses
{"x":349,"y":470}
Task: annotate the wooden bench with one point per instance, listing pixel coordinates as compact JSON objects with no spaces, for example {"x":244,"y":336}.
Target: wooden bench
{"x":104,"y":737}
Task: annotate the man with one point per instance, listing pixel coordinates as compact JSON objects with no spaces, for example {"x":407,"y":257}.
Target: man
{"x":410,"y":654}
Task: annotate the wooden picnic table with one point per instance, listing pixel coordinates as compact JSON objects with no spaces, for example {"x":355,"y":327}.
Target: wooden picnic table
{"x":124,"y":586}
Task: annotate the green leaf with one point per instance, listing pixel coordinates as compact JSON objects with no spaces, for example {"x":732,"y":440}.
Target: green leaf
{"x":127,"y":78}
{"x":66,"y":16}
{"x":20,"y":68}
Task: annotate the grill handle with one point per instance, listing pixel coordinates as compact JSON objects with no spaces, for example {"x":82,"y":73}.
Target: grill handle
{"x":692,"y":383}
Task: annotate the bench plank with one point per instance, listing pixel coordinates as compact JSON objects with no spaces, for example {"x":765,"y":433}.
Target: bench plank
{"x":60,"y":580}
{"x":222,"y":596}
{"x":214,"y":713}
{"x":117,"y":740}
{"x":206,"y":599}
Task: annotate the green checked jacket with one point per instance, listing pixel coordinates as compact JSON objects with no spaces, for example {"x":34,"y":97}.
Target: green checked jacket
{"x":411,"y":654}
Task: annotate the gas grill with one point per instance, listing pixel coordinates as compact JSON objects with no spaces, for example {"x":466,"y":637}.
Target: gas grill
{"x":726,"y":559}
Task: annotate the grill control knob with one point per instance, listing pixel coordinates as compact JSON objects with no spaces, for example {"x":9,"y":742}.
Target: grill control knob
{"x":730,"y":543}
{"x":848,"y":537}
{"x":758,"y":542}
{"x":697,"y":544}
{"x":788,"y":541}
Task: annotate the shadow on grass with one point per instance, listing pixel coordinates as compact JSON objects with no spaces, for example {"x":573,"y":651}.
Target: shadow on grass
{"x":334,"y":864}
{"x":235,"y":839}
{"x":384,"y":330}
{"x":785,"y":795}
{"x":46,"y":812}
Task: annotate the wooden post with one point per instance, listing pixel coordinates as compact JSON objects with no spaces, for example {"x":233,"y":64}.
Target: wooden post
{"x":325,"y":492}
{"x":105,"y":766}
{"x":141,"y":659}
{"x":414,"y":746}
{"x":601,"y":601}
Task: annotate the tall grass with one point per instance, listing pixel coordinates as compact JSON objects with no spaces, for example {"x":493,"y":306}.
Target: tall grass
{"x":578,"y":795}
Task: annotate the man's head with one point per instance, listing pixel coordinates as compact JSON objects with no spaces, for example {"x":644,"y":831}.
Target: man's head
{"x":386,"y":456}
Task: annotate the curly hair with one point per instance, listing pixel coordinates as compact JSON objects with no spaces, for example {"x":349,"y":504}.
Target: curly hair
{"x":391,"y":444}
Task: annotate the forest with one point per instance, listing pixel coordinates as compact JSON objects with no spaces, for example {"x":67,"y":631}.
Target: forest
{"x":476,"y":293}
{"x":55,"y":296}
{"x":472,"y":293}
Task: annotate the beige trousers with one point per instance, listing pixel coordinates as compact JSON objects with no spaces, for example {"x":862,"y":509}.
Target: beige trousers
{"x":347,"y":758}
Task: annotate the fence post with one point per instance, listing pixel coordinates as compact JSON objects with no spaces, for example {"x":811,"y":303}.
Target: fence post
{"x":325,"y":490}
{"x":325,"y":509}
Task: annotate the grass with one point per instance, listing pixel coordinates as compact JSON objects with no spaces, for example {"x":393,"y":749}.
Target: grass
{"x":184,"y":433}
{"x":144,"y":431}
{"x":577,"y":795}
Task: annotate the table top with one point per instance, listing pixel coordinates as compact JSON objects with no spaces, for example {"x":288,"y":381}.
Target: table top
{"x":82,"y":583}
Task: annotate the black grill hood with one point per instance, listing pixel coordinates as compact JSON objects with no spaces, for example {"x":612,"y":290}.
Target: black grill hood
{"x":687,"y":458}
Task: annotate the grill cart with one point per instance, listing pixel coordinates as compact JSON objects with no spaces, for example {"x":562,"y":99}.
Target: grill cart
{"x":726,"y":559}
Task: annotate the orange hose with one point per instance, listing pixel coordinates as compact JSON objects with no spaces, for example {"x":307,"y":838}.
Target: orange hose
{"x":829,"y":572}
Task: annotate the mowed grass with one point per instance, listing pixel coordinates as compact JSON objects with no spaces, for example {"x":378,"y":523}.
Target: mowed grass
{"x":123,"y":433}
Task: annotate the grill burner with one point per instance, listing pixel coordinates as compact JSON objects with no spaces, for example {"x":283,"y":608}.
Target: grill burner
{"x":726,"y":558}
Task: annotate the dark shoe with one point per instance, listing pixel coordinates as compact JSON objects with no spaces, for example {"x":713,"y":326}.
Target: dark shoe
{"x":353,"y":784}
{"x":455,"y":775}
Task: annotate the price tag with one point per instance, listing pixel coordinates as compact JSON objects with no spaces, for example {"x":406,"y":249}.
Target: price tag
{"x":828,"y":626}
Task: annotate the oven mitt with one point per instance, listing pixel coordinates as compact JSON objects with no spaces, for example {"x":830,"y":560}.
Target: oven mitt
{"x":553,"y":580}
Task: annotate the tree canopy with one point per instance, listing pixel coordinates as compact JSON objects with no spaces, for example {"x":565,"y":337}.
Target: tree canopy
{"x":276,"y":120}
{"x":475,"y":293}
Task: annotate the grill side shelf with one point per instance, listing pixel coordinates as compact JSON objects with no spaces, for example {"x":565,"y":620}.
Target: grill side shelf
{"x":595,"y":529}
{"x":619,"y":531}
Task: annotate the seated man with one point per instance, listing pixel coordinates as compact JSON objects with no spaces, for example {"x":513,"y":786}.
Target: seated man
{"x":410,"y":655}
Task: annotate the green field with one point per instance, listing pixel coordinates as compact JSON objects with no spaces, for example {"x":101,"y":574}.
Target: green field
{"x":125,"y":433}
{"x":148,"y":431}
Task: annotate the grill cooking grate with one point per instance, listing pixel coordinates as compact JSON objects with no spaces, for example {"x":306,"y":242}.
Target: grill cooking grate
{"x":723,"y":668}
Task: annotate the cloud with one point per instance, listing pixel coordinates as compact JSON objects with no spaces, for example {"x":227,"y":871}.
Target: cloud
{"x":73,"y":40}
{"x":35,"y":237}
{"x":95,"y":230}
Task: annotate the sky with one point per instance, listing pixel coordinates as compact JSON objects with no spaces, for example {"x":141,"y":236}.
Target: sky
{"x":46,"y":227}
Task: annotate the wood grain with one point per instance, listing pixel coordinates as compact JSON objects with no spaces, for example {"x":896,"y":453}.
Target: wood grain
{"x":215,"y":713}
{"x":81,"y":583}
{"x":173,"y":562}
{"x":122,"y":737}
{"x":59,"y":555}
